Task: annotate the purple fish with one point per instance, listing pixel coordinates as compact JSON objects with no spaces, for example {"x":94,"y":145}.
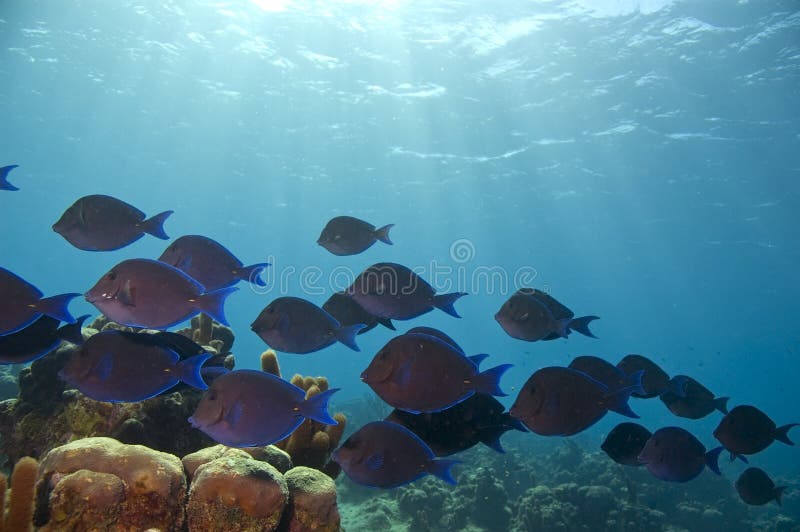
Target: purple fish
{"x":389,"y":290}
{"x":21,"y":304}
{"x":209,"y":263}
{"x":532,"y":315}
{"x":345,"y":235}
{"x":348,"y":312}
{"x":558,"y":401}
{"x":38,"y":339}
{"x":624,"y":443}
{"x":420,"y":373}
{"x":695,"y":402}
{"x":121,"y":366}
{"x":382,"y":454}
{"x":294,"y":325}
{"x":248,"y":408}
{"x":748,"y":430}
{"x":756,"y":488}
{"x":148,"y":293}
{"x":478,"y":419}
{"x":105,"y":223}
{"x":4,"y":171}
{"x":673,"y":454}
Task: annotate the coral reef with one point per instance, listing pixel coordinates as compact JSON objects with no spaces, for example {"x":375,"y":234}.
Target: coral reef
{"x":312,"y":443}
{"x":19,"y":517}
{"x":100,"y":483}
{"x":313,"y":501}
{"x":46,"y":415}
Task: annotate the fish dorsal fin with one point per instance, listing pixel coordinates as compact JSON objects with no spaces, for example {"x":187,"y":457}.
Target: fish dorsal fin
{"x":375,"y":461}
{"x":125,"y":294}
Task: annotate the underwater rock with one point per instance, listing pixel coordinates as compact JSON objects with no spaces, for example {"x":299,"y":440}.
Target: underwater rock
{"x":277,"y":458}
{"x":100,"y":483}
{"x":191,"y":462}
{"x":312,"y":501}
{"x":235,"y":492}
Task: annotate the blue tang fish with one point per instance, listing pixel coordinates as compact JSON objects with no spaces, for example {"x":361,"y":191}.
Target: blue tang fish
{"x":210,"y":263}
{"x":557,"y":401}
{"x":607,"y":373}
{"x":748,"y":430}
{"x":38,"y":339}
{"x":756,"y":488}
{"x":532,"y":315}
{"x":345,"y":235}
{"x":148,"y":293}
{"x":248,"y":408}
{"x":694,"y":401}
{"x":675,"y":455}
{"x":420,"y":373}
{"x":294,"y":325}
{"x":21,"y":304}
{"x":105,"y":223}
{"x":655,"y":380}
{"x":393,"y":291}
{"x":382,"y":454}
{"x":123,"y":367}
{"x":624,"y":443}
{"x":4,"y":171}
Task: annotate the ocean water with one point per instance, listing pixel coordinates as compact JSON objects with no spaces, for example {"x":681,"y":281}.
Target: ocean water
{"x":638,"y":159}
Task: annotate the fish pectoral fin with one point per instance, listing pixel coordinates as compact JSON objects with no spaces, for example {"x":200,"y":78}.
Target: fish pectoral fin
{"x":375,"y":461}
{"x":126,"y":293}
{"x":104,"y":366}
{"x":234,"y":414}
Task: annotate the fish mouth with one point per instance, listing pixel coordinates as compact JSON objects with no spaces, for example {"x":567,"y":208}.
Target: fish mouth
{"x":89,"y":297}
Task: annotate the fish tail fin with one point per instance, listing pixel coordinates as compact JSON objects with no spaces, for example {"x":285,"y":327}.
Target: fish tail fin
{"x":721,"y":404}
{"x":56,"y":307}
{"x":778,"y":493}
{"x":582,"y":325}
{"x":712,"y":459}
{"x":386,"y":322}
{"x":316,"y":407}
{"x":492,"y":439}
{"x":251,"y":273}
{"x":441,"y":468}
{"x":212,"y":372}
{"x":155,"y":225}
{"x":347,"y":335}
{"x":382,"y":234}
{"x":489,"y":381}
{"x":4,"y":184}
{"x":634,"y":382}
{"x":190,"y":370}
{"x":445,"y":302}
{"x":782,"y":433}
{"x":72,"y":331}
{"x":212,"y":303}
{"x":516,"y":424}
{"x":617,"y":401}
{"x":677,"y":385}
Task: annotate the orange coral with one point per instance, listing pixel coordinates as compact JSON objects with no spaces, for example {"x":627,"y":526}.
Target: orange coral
{"x":23,"y":487}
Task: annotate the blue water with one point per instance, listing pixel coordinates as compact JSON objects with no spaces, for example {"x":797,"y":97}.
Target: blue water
{"x":640,"y":160}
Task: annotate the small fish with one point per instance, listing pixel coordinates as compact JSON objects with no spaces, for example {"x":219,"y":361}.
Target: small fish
{"x":21,"y":304}
{"x":478,"y":419}
{"x":150,"y":294}
{"x":4,"y":171}
{"x":345,"y":235}
{"x":420,"y":373}
{"x":748,"y":430}
{"x":124,"y":367}
{"x":558,"y":401}
{"x":209,"y":263}
{"x":607,"y":373}
{"x":294,"y":325}
{"x":248,"y":408}
{"x":696,"y":402}
{"x":105,"y":223}
{"x":624,"y":443}
{"x":756,"y":488}
{"x":382,"y":454}
{"x":529,"y":315}
{"x":348,"y":312}
{"x":655,"y":380}
{"x":38,"y":339}
{"x":389,"y":290}
{"x":674,"y":455}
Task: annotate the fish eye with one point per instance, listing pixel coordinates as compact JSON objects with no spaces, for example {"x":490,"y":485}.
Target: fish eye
{"x":533,"y":390}
{"x":270,"y":310}
{"x":212,"y":395}
{"x":112,"y":275}
{"x":350,"y":443}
